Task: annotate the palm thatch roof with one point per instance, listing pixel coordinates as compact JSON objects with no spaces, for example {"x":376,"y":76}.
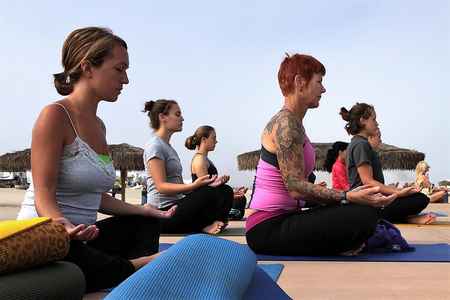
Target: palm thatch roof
{"x":18,"y":161}
{"x":125,"y":157}
{"x":391,"y":157}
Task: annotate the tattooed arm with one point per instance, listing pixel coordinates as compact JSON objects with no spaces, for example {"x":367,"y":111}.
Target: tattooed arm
{"x":289,"y":136}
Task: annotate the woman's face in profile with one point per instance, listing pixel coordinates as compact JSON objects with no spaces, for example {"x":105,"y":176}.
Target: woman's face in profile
{"x":211,"y":141}
{"x":314,"y":90}
{"x":108,"y":79}
{"x":174,"y":119}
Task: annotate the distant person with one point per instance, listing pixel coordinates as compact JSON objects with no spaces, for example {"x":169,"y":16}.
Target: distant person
{"x":201,"y":208}
{"x":279,"y":225}
{"x":203,"y":141}
{"x":364,"y":168}
{"x":72,"y":169}
{"x":436,"y":194}
{"x":335,"y":164}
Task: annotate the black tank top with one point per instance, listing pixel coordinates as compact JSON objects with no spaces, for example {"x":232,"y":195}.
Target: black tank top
{"x":211,"y":170}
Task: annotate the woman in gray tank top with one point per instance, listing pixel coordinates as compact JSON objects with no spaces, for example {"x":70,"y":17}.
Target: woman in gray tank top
{"x":72,"y":169}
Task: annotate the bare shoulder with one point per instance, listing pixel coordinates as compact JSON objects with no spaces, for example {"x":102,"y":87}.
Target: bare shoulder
{"x":199,"y":160}
{"x":286,"y":129}
{"x":52,"y":116}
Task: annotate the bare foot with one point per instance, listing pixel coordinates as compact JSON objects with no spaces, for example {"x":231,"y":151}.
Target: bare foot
{"x":214,"y":228}
{"x":353,"y":252}
{"x":142,"y":261}
{"x":425,"y":219}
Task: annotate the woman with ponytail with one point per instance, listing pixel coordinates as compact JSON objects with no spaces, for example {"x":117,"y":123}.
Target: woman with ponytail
{"x":364,"y":168}
{"x":199,"y":208}
{"x":72,"y":168}
{"x":335,"y":164}
{"x":203,"y":141}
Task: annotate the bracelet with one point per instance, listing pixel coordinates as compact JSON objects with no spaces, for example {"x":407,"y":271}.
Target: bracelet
{"x":344,"y":198}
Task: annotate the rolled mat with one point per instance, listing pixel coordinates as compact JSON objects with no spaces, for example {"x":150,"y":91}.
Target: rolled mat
{"x":197,"y":267}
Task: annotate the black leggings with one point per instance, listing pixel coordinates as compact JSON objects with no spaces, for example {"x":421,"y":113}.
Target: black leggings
{"x":400,"y":209}
{"x":199,"y":209}
{"x":105,"y":260}
{"x":325,"y":230}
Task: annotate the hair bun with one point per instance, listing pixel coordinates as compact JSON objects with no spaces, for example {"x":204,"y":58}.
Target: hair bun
{"x":345,"y":114}
{"x":148,"y":105}
{"x":63,"y":84}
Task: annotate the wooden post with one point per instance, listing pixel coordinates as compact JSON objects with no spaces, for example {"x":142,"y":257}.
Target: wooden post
{"x":123,"y":177}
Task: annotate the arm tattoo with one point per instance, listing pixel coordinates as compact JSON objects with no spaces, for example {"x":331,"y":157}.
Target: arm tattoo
{"x":289,"y":137}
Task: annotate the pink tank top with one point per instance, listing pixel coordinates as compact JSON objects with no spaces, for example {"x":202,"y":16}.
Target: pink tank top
{"x":270,"y":196}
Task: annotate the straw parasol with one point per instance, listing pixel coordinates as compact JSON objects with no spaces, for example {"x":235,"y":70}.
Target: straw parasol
{"x":125,"y":157}
{"x":391,"y":157}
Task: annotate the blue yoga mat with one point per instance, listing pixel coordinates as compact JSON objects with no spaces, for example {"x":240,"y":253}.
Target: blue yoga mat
{"x":263,"y":287}
{"x":423,"y":253}
{"x":273,"y":270}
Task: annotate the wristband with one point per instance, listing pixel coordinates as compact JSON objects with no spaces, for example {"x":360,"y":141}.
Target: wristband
{"x":344,"y":200}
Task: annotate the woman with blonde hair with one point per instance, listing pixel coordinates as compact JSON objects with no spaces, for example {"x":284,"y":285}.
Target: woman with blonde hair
{"x":436,"y":194}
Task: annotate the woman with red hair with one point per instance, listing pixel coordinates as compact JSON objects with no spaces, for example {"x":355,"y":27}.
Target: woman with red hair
{"x":279,"y":225}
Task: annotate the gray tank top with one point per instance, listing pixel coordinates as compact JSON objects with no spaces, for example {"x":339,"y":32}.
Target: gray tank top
{"x":83,"y":177}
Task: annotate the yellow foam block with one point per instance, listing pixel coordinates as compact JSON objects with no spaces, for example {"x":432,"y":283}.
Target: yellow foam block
{"x":12,"y":227}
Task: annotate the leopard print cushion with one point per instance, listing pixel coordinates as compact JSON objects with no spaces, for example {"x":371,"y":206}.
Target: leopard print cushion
{"x":35,"y":246}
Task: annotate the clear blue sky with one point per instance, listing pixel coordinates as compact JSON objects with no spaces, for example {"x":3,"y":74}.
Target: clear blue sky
{"x":219,"y":61}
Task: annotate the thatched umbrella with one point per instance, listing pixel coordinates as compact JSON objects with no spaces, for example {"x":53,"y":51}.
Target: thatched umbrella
{"x":125,"y":158}
{"x":391,"y":157}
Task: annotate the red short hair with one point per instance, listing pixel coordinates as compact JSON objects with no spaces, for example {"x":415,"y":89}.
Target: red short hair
{"x":298,"y":64}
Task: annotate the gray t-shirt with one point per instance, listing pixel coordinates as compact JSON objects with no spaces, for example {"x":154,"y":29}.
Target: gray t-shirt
{"x":360,"y":152}
{"x":158,"y":148}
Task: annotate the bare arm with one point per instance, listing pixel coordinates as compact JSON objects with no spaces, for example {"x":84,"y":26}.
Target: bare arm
{"x":112,"y":206}
{"x":157,"y":171}
{"x":365,"y":172}
{"x":46,"y":150}
{"x":288,"y":136}
{"x":200,"y":165}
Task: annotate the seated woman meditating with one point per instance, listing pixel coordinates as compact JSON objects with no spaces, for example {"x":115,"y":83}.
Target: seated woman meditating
{"x":201,"y":207}
{"x":73,"y":171}
{"x":279,"y":225}
{"x":335,"y":164}
{"x":436,"y":194}
{"x":364,"y":167}
{"x":203,"y":141}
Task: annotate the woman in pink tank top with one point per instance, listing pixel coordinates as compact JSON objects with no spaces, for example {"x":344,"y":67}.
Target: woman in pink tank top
{"x":279,"y":225}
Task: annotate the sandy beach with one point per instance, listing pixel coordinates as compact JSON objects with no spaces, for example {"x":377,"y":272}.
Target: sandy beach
{"x":333,"y":280}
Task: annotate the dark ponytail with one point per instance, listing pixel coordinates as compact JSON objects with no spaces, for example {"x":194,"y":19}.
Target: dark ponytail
{"x":333,"y":153}
{"x":352,"y":117}
{"x":62,"y":84}
{"x":154,"y":108}
{"x":194,"y":140}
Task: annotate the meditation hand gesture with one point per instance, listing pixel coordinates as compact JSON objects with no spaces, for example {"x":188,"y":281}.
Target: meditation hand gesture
{"x":220,"y":180}
{"x":406,"y":191}
{"x":151,"y":211}
{"x":204,"y":180}
{"x":80,"y":232}
{"x":370,"y":196}
{"x":240,"y":192}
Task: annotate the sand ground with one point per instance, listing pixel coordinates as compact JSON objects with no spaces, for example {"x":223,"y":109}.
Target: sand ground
{"x":333,"y":280}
